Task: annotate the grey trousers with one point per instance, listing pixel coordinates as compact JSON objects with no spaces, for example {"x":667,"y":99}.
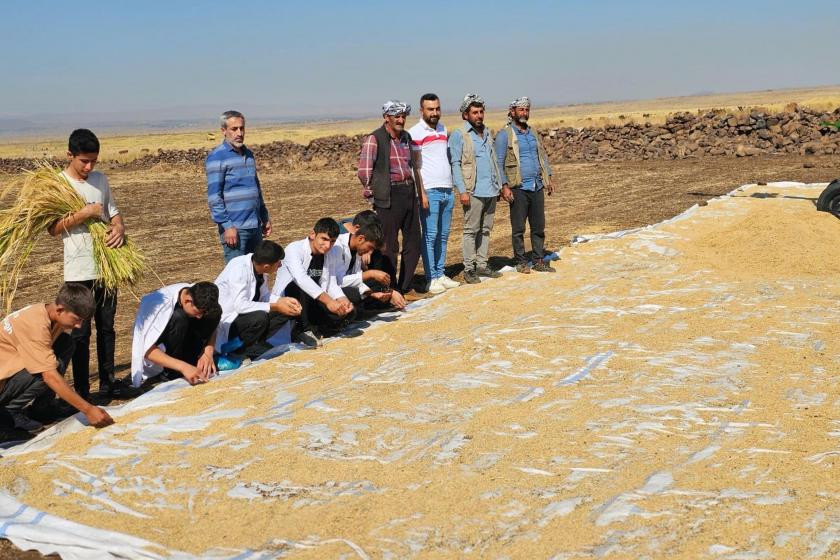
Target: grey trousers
{"x":478,"y":222}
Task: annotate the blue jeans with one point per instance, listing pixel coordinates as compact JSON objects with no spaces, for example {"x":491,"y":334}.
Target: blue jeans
{"x":248,"y":241}
{"x":436,"y":221}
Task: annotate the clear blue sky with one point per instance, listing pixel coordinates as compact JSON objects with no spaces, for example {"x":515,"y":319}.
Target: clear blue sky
{"x":152,"y":58}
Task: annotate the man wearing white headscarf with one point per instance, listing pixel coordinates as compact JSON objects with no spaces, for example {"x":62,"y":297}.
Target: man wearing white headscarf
{"x":390,"y":179}
{"x":526,"y":178}
{"x":476,"y":176}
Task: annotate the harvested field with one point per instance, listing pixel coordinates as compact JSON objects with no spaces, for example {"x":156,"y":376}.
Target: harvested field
{"x":668,"y":393}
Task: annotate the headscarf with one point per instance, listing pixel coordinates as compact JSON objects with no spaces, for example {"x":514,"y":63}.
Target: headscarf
{"x":519,"y":102}
{"x":393,"y":108}
{"x":469,"y":99}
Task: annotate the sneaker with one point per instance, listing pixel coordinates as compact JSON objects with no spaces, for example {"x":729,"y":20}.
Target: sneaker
{"x":448,"y":282}
{"x":24,"y":422}
{"x":523,"y":268}
{"x":471,"y":277}
{"x":309,"y":338}
{"x":435,"y":287}
{"x":542,"y":266}
{"x":488,"y":272}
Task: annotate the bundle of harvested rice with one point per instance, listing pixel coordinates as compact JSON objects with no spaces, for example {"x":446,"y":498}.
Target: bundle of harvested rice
{"x":44,"y":196}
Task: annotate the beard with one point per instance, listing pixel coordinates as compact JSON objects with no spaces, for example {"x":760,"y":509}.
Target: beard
{"x":432,"y":121}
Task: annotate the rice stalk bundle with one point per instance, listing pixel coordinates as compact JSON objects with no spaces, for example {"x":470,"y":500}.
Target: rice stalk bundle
{"x":45,"y":196}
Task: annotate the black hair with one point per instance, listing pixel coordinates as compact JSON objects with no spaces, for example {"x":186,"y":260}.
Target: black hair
{"x":204,"y":294}
{"x":372,"y":232}
{"x":328,"y":226}
{"x":267,"y":252}
{"x":77,"y":299}
{"x":83,"y":141}
{"x":428,"y":97}
{"x":366,"y":217}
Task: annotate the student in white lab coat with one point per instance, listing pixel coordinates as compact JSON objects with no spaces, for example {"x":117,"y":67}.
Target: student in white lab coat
{"x":309,"y":275}
{"x":174,"y":333}
{"x":365,"y":286}
{"x":250,"y":315}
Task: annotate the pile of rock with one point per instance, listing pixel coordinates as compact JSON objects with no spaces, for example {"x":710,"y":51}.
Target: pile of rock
{"x":713,"y":133}
{"x":796,"y":130}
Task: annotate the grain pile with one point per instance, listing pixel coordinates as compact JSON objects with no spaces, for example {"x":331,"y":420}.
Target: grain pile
{"x":669,"y":393}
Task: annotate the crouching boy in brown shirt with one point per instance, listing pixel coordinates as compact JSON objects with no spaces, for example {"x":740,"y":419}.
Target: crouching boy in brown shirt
{"x":34,"y":346}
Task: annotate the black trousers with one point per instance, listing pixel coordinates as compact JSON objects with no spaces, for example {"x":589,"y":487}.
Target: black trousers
{"x":403,"y":216}
{"x":24,"y":387}
{"x":185,"y":338}
{"x":314,"y":314}
{"x":527,"y":205}
{"x":253,"y":329}
{"x":106,"y":310}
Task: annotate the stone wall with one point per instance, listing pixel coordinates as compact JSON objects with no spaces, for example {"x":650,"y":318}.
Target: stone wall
{"x":796,"y":130}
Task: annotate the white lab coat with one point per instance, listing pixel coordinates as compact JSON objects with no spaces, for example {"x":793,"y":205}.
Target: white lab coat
{"x":236,"y":293}
{"x":351,"y":278}
{"x":153,"y":315}
{"x":295,"y":265}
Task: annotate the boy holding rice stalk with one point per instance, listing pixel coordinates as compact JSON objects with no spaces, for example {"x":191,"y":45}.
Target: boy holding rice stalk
{"x":34,"y":350}
{"x":80,"y":262}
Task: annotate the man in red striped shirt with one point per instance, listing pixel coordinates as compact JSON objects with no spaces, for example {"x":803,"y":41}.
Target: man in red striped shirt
{"x":429,"y":141}
{"x":390,"y":178}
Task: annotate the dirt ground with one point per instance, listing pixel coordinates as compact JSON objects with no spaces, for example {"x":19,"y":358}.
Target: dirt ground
{"x":165,"y":210}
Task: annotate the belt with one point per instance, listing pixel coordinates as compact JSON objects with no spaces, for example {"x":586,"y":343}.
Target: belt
{"x":406,"y":183}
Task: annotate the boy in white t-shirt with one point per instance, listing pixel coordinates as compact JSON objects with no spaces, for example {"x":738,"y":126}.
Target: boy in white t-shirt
{"x":79,"y":265}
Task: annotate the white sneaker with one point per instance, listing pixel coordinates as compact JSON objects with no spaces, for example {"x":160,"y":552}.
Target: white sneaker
{"x":435,"y":287}
{"x":448,"y":282}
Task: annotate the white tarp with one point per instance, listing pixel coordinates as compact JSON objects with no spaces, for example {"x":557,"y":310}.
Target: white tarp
{"x":643,"y":401}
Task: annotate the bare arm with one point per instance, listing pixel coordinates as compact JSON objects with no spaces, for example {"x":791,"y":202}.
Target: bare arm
{"x":116,"y":233}
{"x":190,"y":372}
{"x":416,"y":163}
{"x":77,"y":218}
{"x":95,"y":415}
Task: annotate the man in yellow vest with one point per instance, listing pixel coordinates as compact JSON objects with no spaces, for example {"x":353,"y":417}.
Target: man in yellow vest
{"x":476,"y":176}
{"x":526,"y":179}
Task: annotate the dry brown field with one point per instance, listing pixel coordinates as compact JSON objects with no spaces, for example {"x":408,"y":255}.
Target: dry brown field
{"x":166,"y":212}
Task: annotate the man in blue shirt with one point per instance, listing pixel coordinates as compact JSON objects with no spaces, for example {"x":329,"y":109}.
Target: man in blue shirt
{"x":233,"y":191}
{"x":476,"y":176}
{"x":526,"y":177}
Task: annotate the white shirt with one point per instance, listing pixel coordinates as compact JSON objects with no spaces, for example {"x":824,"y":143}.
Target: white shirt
{"x":349,"y":278}
{"x":295,"y":266}
{"x":78,"y":246}
{"x":153,"y":315}
{"x":237,"y":284}
{"x":434,"y":157}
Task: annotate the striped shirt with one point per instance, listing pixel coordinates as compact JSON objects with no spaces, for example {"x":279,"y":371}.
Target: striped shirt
{"x":233,"y":189}
{"x":400,"y":162}
{"x":434,"y":166}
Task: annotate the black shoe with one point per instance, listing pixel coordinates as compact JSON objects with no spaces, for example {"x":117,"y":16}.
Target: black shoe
{"x":119,"y":389}
{"x":14,"y":434}
{"x":488,"y":272}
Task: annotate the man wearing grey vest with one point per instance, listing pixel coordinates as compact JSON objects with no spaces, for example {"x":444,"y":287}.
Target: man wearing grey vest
{"x":389,"y":176}
{"x":526,"y":179}
{"x":476,"y":176}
